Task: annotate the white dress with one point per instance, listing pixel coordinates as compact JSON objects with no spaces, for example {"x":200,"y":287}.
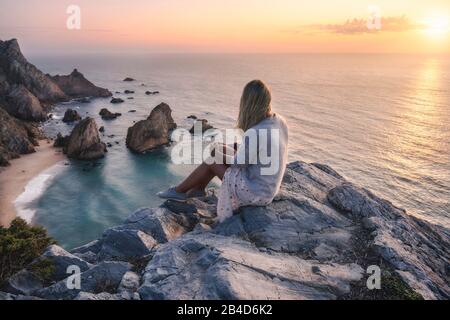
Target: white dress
{"x":243,"y":184}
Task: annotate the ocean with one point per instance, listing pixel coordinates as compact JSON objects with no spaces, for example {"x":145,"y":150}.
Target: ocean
{"x":382,"y":121}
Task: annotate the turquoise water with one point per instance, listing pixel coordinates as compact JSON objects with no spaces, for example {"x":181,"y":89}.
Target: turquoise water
{"x":381,"y":120}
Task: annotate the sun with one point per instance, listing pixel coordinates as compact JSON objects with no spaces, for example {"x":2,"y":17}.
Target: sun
{"x":436,"y":25}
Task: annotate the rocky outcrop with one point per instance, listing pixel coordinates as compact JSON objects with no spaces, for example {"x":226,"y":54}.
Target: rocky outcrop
{"x":153,"y":132}
{"x":128,"y":79}
{"x":23,"y":105}
{"x":84,"y":142}
{"x":71,"y":116}
{"x":315,"y":241}
{"x":75,"y":85}
{"x":108,"y":115}
{"x":202,"y":125}
{"x":18,"y":71}
{"x":16,"y":137}
{"x":116,"y":100}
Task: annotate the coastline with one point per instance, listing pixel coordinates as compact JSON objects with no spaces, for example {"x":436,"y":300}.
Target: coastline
{"x":15,"y":178}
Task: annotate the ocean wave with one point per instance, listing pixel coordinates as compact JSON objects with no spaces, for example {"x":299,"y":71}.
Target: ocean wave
{"x":33,"y":191}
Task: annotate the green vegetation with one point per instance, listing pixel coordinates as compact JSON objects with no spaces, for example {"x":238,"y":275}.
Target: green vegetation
{"x":20,"y":244}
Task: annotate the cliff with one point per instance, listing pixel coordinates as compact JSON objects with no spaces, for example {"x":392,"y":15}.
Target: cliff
{"x":315,"y":241}
{"x":26,"y":94}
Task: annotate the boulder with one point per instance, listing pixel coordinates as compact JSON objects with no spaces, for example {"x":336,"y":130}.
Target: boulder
{"x":208,"y":266}
{"x":61,"y":260}
{"x":60,"y":141}
{"x":129,"y":285}
{"x":202,"y":125}
{"x":22,"y":104}
{"x":149,"y":93}
{"x":128,"y":91}
{"x":103,"y":277}
{"x":121,"y":243}
{"x":84,"y":142}
{"x":128,"y":79}
{"x":75,"y":85}
{"x":108,"y":115}
{"x":71,"y":116}
{"x":23,"y":282}
{"x":153,"y":132}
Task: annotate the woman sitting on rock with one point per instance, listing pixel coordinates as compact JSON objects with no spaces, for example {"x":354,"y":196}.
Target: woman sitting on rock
{"x":252,"y":176}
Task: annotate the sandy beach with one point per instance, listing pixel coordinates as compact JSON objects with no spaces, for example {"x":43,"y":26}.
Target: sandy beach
{"x":14,"y":178}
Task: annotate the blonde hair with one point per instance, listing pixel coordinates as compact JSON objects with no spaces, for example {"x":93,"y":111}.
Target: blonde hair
{"x":255,"y":104}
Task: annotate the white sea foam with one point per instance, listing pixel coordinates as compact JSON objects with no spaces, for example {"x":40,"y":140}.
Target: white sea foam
{"x":33,"y":191}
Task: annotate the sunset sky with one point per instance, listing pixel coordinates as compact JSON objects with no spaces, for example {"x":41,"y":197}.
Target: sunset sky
{"x":412,"y":26}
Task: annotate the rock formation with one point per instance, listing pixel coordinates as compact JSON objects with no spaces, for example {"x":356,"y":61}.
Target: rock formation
{"x":17,"y":70}
{"x":128,"y":79}
{"x":153,"y":132}
{"x":23,"y":105}
{"x":71,"y":116}
{"x":315,"y":241}
{"x":76,"y":85}
{"x":116,"y":100}
{"x":203,"y":124}
{"x":26,"y":94}
{"x":16,"y":137}
{"x":84,"y":142}
{"x":108,"y":115}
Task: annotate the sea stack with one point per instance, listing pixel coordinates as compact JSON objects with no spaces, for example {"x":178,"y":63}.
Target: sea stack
{"x":75,"y":85}
{"x":153,"y":132}
{"x":71,"y":116}
{"x":84,"y":142}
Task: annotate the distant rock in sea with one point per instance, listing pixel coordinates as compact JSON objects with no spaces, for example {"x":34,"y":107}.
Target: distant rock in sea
{"x":108,"y":115}
{"x":153,"y":132}
{"x":128,"y":79}
{"x":71,"y":116}
{"x":128,"y":92}
{"x":84,"y":142}
{"x":204,"y":125}
{"x":116,"y":100}
{"x":76,"y":85}
{"x":151,"y":92}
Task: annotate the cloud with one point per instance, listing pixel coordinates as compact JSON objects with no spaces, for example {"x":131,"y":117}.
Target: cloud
{"x":360,"y":26}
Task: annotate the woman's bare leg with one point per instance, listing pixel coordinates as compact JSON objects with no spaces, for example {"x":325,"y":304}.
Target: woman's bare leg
{"x":201,"y":177}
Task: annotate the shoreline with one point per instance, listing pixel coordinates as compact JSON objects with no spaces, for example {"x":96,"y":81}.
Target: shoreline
{"x":14,"y":178}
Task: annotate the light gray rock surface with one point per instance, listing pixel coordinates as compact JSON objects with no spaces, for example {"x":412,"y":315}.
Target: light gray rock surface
{"x":61,"y":260}
{"x":315,"y":241}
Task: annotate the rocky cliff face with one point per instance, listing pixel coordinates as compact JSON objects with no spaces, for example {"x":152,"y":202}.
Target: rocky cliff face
{"x":76,"y":85}
{"x":153,"y":132}
{"x":16,"y":137}
{"x":17,"y":70}
{"x":84,"y":142}
{"x":26,"y":93}
{"x":23,"y":105}
{"x":315,"y":241}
